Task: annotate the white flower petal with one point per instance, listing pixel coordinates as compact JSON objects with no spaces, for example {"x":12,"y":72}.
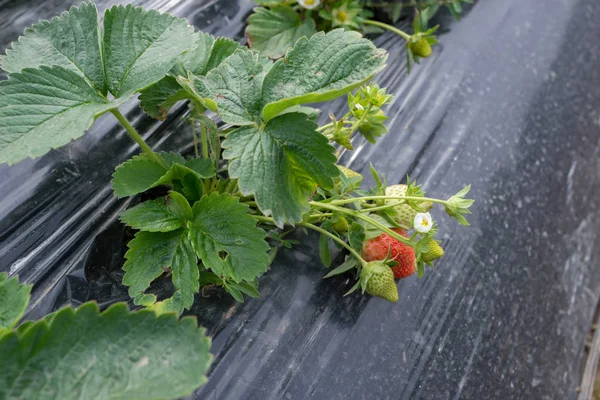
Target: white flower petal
{"x":309,"y":4}
{"x":423,"y":222}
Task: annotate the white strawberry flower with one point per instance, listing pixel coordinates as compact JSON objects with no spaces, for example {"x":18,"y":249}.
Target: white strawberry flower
{"x":423,"y":222}
{"x":309,"y":4}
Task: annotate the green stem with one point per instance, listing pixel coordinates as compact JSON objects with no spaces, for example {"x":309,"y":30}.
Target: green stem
{"x":260,"y":218}
{"x":335,"y":238}
{"x":193,"y":123}
{"x":390,"y":28}
{"x":368,"y":220}
{"x":362,"y":118}
{"x":204,"y":141}
{"x":324,"y":127}
{"x":365,"y":198}
{"x":137,"y":138}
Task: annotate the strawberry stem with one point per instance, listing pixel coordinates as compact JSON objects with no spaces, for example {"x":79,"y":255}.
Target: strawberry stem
{"x":390,"y":28}
{"x":368,"y":220}
{"x":410,"y":198}
{"x":138,"y":139}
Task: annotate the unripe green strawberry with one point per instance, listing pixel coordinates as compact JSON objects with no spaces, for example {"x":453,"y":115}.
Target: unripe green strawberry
{"x":421,"y":48}
{"x":406,"y":214}
{"x":348,"y":173}
{"x":435,"y":251}
{"x":341,"y":225}
{"x":380,"y":281}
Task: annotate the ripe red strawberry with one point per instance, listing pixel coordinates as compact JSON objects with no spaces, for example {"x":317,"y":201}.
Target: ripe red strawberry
{"x":379,"y":247}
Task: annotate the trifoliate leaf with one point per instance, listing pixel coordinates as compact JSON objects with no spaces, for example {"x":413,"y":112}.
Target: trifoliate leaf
{"x":226,"y":238}
{"x":139,"y":174}
{"x":157,"y":99}
{"x":70,"y":41}
{"x":112,"y":355}
{"x":45,"y":108}
{"x":161,"y":215}
{"x":320,"y":68}
{"x":14,"y":298}
{"x":281,"y":165}
{"x":140,"y":46}
{"x":235,"y":86}
{"x":272,"y":31}
{"x":150,"y":253}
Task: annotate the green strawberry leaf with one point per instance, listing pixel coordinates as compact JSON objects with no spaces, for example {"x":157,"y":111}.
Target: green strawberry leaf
{"x":235,"y":87}
{"x":226,"y":239}
{"x":272,"y":31}
{"x":221,"y":49}
{"x":157,"y":99}
{"x":195,"y":59}
{"x":139,"y":174}
{"x":45,"y":108}
{"x":161,"y":215}
{"x":371,"y":231}
{"x":347,"y":265}
{"x":149,"y":254}
{"x":136,"y":175}
{"x":206,"y":54}
{"x":116,"y":354}
{"x":249,"y":288}
{"x":70,"y":40}
{"x":356,"y":236}
{"x":321,"y":68}
{"x":324,"y":253}
{"x":140,"y":46}
{"x":14,"y":298}
{"x":281,"y":165}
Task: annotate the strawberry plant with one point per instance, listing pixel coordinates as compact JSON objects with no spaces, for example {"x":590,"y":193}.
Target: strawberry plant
{"x":276,"y":25}
{"x":262,"y":167}
{"x":269,"y":167}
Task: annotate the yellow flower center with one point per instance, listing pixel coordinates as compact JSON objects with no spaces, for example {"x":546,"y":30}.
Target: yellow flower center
{"x":425,"y":222}
{"x":309,"y":2}
{"x":342,"y":16}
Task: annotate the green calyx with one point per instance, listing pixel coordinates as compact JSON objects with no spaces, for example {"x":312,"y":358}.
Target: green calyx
{"x":377,"y":279}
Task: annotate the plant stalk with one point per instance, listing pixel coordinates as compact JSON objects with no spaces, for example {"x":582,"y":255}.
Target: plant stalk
{"x":363,"y":217}
{"x":411,"y":198}
{"x":390,"y":28}
{"x":137,"y":138}
{"x":204,"y":141}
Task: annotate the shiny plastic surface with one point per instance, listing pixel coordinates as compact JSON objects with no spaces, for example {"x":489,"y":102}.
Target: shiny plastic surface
{"x":509,"y":102}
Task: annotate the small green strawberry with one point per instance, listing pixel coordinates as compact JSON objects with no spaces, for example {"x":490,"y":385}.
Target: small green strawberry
{"x":421,"y":48}
{"x":406,"y":214}
{"x":348,"y":173}
{"x":435,"y":251}
{"x":379,"y":280}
